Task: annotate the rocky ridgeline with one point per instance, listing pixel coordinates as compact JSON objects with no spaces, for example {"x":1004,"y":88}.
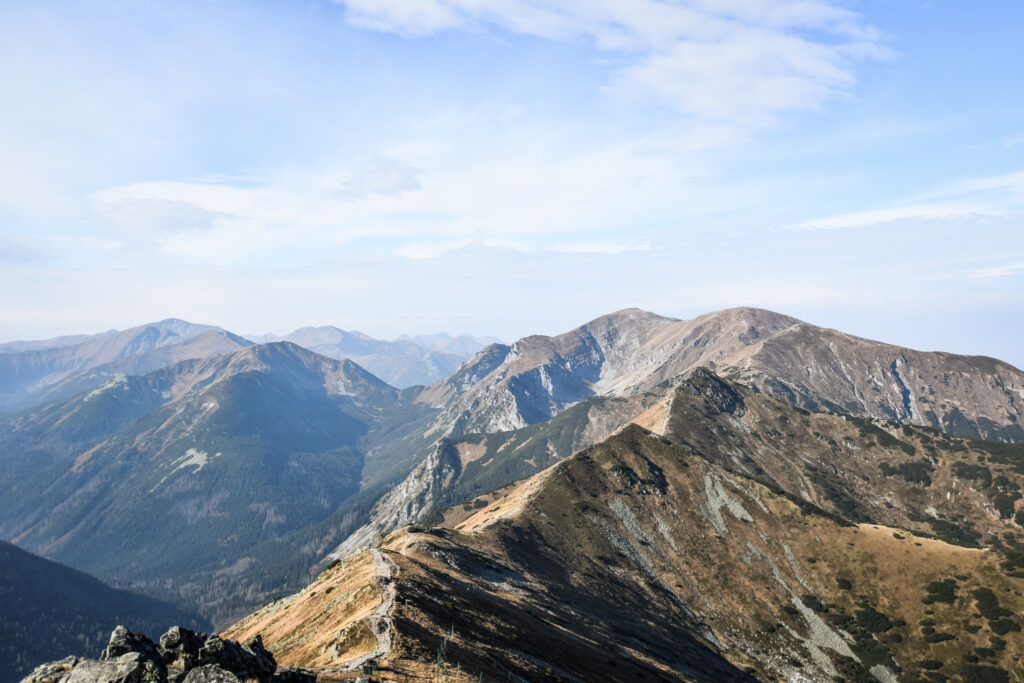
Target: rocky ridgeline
{"x":181,"y":656}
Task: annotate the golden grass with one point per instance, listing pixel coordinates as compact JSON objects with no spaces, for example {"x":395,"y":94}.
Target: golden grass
{"x":324,"y":624}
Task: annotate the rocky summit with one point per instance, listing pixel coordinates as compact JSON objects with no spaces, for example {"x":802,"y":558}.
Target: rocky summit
{"x":180,"y":656}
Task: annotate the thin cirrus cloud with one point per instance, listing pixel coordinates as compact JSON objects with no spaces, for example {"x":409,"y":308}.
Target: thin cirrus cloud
{"x":964,"y":199}
{"x":505,"y":200}
{"x":998,"y":271}
{"x":860,"y":219}
{"x":740,"y":63}
{"x":381,"y":176}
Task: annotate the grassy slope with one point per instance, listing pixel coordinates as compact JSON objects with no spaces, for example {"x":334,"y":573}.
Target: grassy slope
{"x":637,"y":558}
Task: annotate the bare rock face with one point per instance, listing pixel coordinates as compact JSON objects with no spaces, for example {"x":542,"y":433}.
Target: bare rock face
{"x":182,"y":656}
{"x":52,"y":672}
{"x":131,"y":667}
{"x":123,"y":642}
{"x":179,"y":648}
{"x":210,"y":673}
{"x":251,"y":660}
{"x":631,"y":351}
{"x":292,"y":675}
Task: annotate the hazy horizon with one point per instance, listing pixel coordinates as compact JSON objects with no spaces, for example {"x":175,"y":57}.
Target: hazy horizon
{"x":911,"y":329}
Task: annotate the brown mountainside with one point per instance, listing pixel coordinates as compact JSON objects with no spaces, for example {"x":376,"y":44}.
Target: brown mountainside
{"x":963,"y":490}
{"x":683,"y":556}
{"x":631,"y":351}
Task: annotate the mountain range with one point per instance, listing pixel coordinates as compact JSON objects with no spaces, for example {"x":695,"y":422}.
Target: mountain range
{"x":700,"y":551}
{"x":36,"y":372}
{"x":616,"y":459}
{"x":506,"y":387}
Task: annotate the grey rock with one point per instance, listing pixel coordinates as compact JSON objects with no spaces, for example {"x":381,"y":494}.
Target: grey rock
{"x":52,"y":672}
{"x":210,"y":673}
{"x":249,"y":661}
{"x":123,"y":641}
{"x":179,"y":647}
{"x":262,"y":656}
{"x":292,"y":675}
{"x":131,"y":667}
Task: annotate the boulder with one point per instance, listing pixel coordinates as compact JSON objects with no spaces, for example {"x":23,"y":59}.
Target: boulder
{"x":52,"y":672}
{"x":123,"y":641}
{"x":130,"y":667}
{"x":191,"y":657}
{"x":264,"y":660}
{"x":249,"y":661}
{"x":290,"y":675}
{"x":179,"y":648}
{"x":210,"y":673}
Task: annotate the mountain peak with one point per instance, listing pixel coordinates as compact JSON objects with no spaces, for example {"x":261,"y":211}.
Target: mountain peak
{"x":177,"y":326}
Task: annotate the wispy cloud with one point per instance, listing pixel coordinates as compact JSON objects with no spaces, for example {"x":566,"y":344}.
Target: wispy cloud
{"x":859,"y":219}
{"x":960,"y":199}
{"x":423,"y":202}
{"x":381,"y":176}
{"x":997,"y":271}
{"x":1014,"y":140}
{"x":735,"y":63}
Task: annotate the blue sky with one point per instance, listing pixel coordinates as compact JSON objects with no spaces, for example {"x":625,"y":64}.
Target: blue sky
{"x":511,"y":167}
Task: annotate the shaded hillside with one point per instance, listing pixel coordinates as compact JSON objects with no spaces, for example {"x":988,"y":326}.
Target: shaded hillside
{"x":459,"y":468}
{"x":963,"y":490}
{"x":51,"y":611}
{"x":868,"y":470}
{"x":631,"y":351}
{"x":219,"y":455}
{"x":638,"y":559}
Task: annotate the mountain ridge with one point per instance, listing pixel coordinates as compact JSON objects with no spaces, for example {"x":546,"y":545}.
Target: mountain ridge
{"x":507,"y":387}
{"x":232,"y":450}
{"x":650,"y":556}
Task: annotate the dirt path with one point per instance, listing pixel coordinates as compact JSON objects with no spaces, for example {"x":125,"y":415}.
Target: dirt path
{"x":380,"y":621}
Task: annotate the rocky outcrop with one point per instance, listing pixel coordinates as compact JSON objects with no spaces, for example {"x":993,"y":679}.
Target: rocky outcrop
{"x":210,"y":673}
{"x":460,"y":468}
{"x":631,"y":351}
{"x":125,"y":642}
{"x":419,"y":494}
{"x":251,"y":660}
{"x":179,"y":647}
{"x":180,"y":656}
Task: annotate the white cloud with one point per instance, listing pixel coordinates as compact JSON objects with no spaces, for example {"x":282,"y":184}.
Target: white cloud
{"x":733,"y":62}
{"x":1001,"y":195}
{"x":381,"y":176}
{"x":506,"y":196}
{"x":1014,"y":140}
{"x":1009,"y":185}
{"x":998,"y":271}
{"x":861,"y":219}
